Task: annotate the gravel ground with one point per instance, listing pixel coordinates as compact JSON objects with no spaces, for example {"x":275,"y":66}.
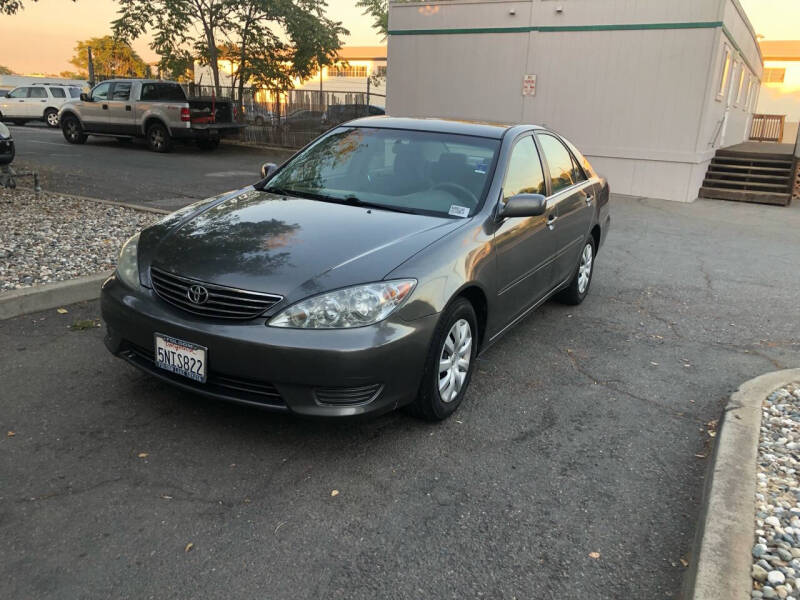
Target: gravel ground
{"x":56,"y":237}
{"x":776,"y":553}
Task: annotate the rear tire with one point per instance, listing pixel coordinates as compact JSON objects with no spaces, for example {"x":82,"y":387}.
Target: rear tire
{"x":578,"y":288}
{"x":450,"y":360}
{"x":158,"y":138}
{"x":72,"y":130}
{"x":51,"y":117}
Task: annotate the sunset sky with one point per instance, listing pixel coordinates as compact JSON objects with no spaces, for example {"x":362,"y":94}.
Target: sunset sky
{"x":41,"y":38}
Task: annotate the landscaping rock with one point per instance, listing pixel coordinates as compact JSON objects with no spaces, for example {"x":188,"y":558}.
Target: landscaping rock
{"x":776,"y":551}
{"x":56,"y":238}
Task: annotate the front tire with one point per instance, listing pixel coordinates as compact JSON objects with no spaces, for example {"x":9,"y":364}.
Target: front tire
{"x":51,"y":117}
{"x":449,"y":364}
{"x":578,"y":288}
{"x":72,"y":130}
{"x":158,"y":138}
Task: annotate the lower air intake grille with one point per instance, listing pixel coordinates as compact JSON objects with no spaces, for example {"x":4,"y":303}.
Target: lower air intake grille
{"x":210,"y":300}
{"x":350,"y":395}
{"x":260,"y":392}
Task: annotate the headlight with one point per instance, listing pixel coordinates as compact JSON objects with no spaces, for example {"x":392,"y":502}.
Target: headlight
{"x":349,"y":307}
{"x":128,"y":263}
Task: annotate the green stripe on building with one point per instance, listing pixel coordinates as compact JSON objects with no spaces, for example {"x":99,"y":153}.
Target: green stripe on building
{"x":557,"y":28}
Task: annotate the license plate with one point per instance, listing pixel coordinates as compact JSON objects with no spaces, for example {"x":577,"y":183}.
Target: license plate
{"x":182,"y":358}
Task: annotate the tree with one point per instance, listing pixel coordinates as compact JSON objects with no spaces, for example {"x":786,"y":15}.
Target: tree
{"x":257,"y":29}
{"x":11,"y":7}
{"x":379,"y":11}
{"x":5,"y":71}
{"x":181,"y":29}
{"x":110,"y":56}
{"x":70,"y":75}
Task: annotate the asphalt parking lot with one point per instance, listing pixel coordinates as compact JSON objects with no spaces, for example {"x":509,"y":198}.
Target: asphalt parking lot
{"x":129,"y":172}
{"x":585,"y":431}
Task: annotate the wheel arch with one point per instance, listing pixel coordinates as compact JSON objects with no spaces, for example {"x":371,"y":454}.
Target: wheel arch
{"x":476,"y":296}
{"x":70,"y":113}
{"x":597,"y":235}
{"x":151,"y":120}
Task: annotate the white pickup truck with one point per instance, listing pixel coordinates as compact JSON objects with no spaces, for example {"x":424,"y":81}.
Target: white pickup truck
{"x":155,"y":110}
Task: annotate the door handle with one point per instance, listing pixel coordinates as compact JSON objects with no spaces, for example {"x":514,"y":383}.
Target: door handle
{"x":551,"y":219}
{"x":127,"y":107}
{"x":589,"y":199}
{"x":105,"y":106}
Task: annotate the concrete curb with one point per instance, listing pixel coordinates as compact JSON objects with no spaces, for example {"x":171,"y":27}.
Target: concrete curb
{"x":50,"y":295}
{"x":140,"y":207}
{"x":722,"y":561}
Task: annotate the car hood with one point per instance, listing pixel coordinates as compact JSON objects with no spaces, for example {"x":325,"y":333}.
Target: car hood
{"x":294,"y":247}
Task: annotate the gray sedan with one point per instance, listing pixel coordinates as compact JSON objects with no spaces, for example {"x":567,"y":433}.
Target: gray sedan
{"x":364,"y":274}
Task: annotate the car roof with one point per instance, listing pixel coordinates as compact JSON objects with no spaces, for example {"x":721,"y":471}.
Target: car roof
{"x":461,"y":127}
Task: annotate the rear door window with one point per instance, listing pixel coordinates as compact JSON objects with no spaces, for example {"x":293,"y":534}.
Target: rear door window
{"x":121,"y":91}
{"x":37,"y":92}
{"x":57,"y":92}
{"x":559,"y":162}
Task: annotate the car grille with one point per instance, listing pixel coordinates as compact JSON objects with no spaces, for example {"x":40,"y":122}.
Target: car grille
{"x":260,"y":392}
{"x":222,"y":303}
{"x":349,"y":395}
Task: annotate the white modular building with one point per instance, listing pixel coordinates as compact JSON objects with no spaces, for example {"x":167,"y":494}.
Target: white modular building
{"x":648,"y":89}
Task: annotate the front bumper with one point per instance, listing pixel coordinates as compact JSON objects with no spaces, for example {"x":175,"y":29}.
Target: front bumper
{"x":328,"y":373}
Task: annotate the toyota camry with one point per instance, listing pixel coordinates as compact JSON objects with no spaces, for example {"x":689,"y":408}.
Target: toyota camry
{"x":364,"y":274}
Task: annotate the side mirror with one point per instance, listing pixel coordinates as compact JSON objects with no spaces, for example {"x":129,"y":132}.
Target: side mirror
{"x":85,"y":97}
{"x":268,"y":169}
{"x":524,"y":205}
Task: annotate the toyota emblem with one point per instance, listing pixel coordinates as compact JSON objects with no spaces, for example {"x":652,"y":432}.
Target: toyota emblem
{"x":197,"y":294}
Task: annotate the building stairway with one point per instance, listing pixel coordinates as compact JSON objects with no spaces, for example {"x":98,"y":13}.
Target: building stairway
{"x":762,"y":177}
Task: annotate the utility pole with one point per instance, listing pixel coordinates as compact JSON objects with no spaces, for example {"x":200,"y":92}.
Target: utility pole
{"x":91,"y":66}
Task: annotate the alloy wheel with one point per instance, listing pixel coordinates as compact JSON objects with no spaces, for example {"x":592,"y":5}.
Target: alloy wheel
{"x":585,"y":268}
{"x":156,"y":138}
{"x":52,"y":119}
{"x":72,"y":129}
{"x":454,"y":360}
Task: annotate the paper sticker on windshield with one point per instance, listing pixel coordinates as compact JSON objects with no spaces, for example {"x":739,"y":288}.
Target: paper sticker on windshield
{"x":458,"y":211}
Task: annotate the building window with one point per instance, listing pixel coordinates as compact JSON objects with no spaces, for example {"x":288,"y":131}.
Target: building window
{"x":774,"y":75}
{"x":350,"y":71}
{"x":380,"y":70}
{"x":742,"y":89}
{"x":726,"y":71}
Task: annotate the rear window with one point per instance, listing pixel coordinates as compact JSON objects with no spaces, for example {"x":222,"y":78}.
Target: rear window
{"x":163,"y":92}
{"x":57,"y":93}
{"x":75,"y":92}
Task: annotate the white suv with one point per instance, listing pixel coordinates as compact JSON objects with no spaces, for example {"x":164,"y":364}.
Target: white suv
{"x":37,"y":102}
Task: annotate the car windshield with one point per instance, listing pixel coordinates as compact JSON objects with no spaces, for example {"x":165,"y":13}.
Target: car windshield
{"x":410,"y":171}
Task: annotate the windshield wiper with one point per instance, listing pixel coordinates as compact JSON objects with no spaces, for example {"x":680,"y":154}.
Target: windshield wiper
{"x":350,"y":200}
{"x":355,"y":201}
